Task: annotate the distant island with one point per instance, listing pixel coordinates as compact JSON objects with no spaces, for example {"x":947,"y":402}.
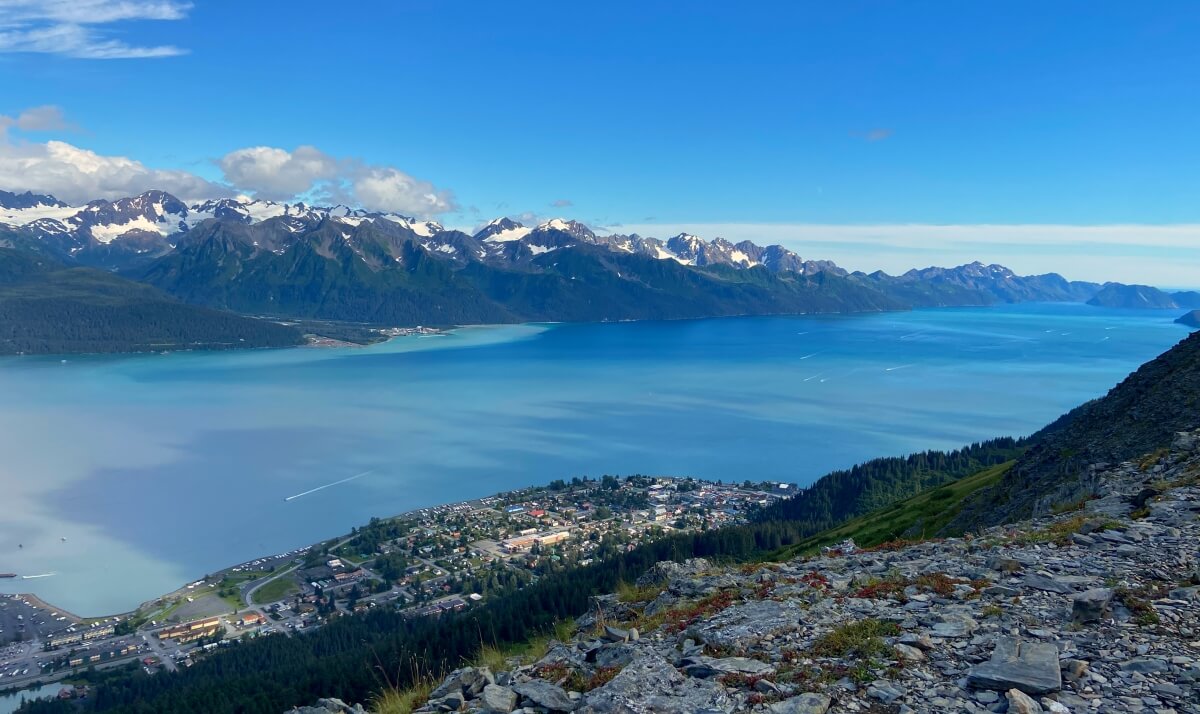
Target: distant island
{"x":1191,"y":319}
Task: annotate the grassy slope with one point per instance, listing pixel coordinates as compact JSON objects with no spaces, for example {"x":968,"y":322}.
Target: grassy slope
{"x":920,"y":516}
{"x":1139,"y":415}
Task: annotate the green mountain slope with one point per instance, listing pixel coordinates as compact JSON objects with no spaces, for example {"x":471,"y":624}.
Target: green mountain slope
{"x":1136,"y":417}
{"x":921,"y":516}
{"x":382,"y":279}
{"x":46,"y":307}
{"x":879,"y":483}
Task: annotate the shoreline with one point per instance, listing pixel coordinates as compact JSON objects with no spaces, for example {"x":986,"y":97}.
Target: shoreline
{"x":37,"y":602}
{"x":192,"y":586}
{"x":316,"y":341}
{"x":523,"y":331}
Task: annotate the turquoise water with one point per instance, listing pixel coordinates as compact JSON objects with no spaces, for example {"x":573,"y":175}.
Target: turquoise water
{"x":11,"y":702}
{"x":159,"y":468}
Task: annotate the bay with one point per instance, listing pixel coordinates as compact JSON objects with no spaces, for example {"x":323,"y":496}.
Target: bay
{"x":125,"y":477}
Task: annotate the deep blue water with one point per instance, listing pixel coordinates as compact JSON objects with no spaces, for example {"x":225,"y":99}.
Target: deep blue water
{"x":160,"y":468}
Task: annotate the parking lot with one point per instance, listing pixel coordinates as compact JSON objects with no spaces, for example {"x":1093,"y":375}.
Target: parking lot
{"x":20,"y":620}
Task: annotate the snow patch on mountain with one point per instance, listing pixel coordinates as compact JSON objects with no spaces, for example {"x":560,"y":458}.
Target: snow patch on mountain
{"x":108,"y":232}
{"x":510,"y":234}
{"x":24,"y":216}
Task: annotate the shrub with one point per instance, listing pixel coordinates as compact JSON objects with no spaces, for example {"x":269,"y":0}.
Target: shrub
{"x":861,"y":640}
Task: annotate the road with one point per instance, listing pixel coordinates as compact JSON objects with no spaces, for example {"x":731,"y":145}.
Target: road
{"x":160,"y":651}
{"x":253,"y":586}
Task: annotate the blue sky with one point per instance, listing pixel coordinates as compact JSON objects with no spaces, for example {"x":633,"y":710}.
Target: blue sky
{"x":775,"y":119}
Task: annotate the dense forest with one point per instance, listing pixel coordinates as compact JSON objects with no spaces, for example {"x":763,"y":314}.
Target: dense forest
{"x":353,"y":656}
{"x":47,"y":308}
{"x":867,"y":487}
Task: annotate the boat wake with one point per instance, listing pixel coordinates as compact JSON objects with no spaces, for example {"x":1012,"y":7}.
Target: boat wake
{"x":319,"y":488}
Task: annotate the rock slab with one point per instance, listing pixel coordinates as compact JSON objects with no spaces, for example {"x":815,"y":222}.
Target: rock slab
{"x":1031,"y":667}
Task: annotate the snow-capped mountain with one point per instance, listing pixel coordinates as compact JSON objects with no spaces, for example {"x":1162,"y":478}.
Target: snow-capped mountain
{"x":501,"y":230}
{"x":684,"y":248}
{"x":28,"y":200}
{"x":128,"y":231}
{"x":116,"y":234}
{"x":344,"y":263}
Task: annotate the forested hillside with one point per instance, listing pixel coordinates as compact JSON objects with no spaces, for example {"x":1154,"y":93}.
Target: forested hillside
{"x":843,"y":495}
{"x":47,"y":308}
{"x":1141,"y":414}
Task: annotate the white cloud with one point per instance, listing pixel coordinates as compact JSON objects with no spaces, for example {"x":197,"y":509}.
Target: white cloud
{"x":279,"y":174}
{"x":382,"y":188}
{"x":78,"y":175}
{"x":76,"y":28}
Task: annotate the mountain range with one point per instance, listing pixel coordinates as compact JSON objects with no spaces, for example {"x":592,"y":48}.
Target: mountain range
{"x":342,"y":263}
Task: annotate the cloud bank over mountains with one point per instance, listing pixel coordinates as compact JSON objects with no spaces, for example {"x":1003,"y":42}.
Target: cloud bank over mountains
{"x":1167,"y":255}
{"x":77,"y":175}
{"x":277,"y":174}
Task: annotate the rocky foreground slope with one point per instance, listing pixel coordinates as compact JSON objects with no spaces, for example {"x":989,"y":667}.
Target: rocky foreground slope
{"x":1093,"y":610}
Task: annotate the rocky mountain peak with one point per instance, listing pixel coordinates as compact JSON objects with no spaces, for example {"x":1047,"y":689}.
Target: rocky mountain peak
{"x":575,"y":229}
{"x":501,"y":229}
{"x":29,"y":200}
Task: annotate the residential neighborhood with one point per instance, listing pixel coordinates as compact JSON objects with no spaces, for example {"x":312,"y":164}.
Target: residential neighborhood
{"x":426,"y":563}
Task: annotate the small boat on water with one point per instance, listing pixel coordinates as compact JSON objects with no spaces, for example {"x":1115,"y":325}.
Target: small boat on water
{"x":8,"y":575}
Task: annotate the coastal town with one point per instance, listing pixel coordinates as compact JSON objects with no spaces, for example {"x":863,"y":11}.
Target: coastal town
{"x":425,"y":563}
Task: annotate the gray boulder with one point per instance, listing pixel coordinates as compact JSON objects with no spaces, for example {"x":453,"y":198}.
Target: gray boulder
{"x":1031,"y":667}
{"x":652,"y":685}
{"x":803,"y":704}
{"x":1050,"y":585}
{"x":954,"y":625}
{"x":545,"y":694}
{"x":469,"y":680}
{"x":885,"y":692}
{"x":1090,"y":605}
{"x":1021,"y":703}
{"x":611,"y":655}
{"x":1144,"y":665}
{"x":495,"y":698}
{"x":704,"y":667}
{"x":744,"y":624}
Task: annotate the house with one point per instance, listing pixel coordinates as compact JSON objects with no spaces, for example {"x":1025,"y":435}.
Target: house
{"x":552,"y":538}
{"x":453,"y":605}
{"x":250,"y":619}
{"x":350,"y":576}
